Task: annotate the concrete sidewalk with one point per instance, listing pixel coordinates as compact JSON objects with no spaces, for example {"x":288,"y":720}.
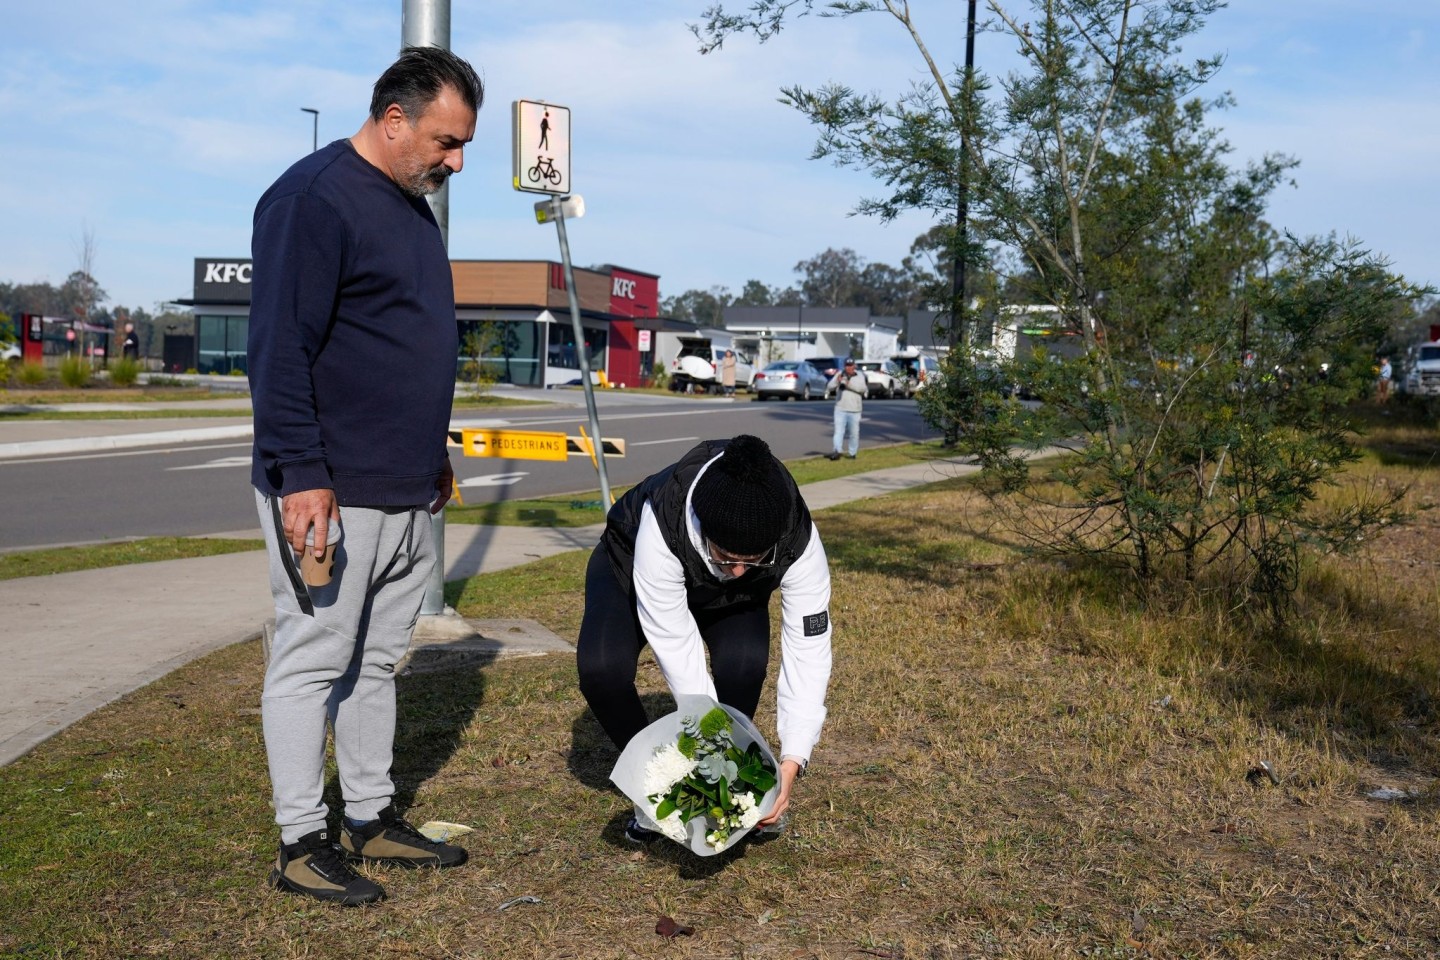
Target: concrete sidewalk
{"x":74,"y":642}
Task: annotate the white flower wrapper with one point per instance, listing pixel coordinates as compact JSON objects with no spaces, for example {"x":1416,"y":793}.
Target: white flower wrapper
{"x":630,"y":773}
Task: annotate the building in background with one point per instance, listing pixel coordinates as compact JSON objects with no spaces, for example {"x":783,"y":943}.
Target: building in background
{"x":798,"y":333}
{"x":513,"y":317}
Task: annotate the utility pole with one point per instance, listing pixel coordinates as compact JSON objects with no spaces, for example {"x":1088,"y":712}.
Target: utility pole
{"x":426,"y":23}
{"x":962,"y":213}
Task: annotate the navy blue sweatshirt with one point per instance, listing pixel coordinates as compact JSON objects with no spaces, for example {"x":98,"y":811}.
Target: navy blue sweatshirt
{"x":352,"y":341}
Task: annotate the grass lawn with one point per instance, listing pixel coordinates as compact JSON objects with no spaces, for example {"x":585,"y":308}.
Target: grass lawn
{"x":105,"y":394}
{"x":1018,"y":762}
{"x":38,"y":563}
{"x":585,"y":508}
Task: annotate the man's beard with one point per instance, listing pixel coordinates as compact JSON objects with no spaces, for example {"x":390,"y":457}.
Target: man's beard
{"x":422,"y":183}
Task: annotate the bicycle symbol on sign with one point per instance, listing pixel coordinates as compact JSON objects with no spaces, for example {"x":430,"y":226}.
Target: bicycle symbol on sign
{"x":544,"y":167}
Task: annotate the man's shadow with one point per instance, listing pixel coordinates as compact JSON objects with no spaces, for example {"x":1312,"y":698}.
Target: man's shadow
{"x":591,"y":758}
{"x":433,"y":709}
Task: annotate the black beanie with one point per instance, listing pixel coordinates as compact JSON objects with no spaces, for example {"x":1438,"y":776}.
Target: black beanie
{"x":742,"y":500}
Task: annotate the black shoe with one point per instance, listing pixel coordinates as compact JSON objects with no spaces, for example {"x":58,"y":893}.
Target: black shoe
{"x":389,"y":839}
{"x":313,"y":866}
{"x":850,"y":455}
{"x":833,"y":455}
{"x":637,"y":834}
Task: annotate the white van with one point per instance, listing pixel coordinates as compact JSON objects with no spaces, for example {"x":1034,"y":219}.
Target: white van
{"x":696,"y":368}
{"x":917,"y":369}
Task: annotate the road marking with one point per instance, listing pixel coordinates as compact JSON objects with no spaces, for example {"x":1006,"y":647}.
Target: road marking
{"x":214,"y":464}
{"x":494,"y":480}
{"x":651,"y":443}
{"x":125,"y":453}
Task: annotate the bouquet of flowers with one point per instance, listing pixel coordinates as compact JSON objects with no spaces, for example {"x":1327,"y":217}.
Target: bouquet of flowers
{"x":702,"y":775}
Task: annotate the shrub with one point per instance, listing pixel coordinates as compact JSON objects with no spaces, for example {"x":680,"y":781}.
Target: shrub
{"x":32,"y":373}
{"x":74,"y":372}
{"x":124,"y":372}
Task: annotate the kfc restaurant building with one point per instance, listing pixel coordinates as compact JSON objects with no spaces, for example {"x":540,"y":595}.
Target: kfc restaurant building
{"x":517,"y":312}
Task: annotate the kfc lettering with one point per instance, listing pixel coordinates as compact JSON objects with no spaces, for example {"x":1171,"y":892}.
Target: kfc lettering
{"x":227,"y":272}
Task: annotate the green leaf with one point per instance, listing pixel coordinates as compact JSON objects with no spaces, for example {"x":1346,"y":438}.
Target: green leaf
{"x":664,"y":810}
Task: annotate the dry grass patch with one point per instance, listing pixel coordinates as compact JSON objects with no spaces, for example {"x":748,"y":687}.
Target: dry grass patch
{"x":1019,"y":762}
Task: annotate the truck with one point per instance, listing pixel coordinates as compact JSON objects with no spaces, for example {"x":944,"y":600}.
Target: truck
{"x":1422,"y":367}
{"x":696,"y":368}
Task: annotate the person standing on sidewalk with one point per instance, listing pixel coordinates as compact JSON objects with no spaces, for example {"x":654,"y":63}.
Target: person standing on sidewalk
{"x":352,"y":352}
{"x":687,"y":563}
{"x":727,"y":373}
{"x":850,"y":388}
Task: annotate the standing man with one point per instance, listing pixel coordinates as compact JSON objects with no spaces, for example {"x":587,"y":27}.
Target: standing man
{"x":352,"y":352}
{"x":130,"y":349}
{"x":850,"y":388}
{"x":1382,"y":385}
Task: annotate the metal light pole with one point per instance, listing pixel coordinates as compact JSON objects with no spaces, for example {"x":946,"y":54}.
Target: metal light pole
{"x":314,"y":127}
{"x":426,"y":23}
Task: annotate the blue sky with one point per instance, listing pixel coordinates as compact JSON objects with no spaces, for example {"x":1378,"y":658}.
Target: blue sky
{"x":154,"y":125}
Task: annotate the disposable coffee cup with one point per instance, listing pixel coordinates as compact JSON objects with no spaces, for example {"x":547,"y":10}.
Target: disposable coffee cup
{"x":316,"y":571}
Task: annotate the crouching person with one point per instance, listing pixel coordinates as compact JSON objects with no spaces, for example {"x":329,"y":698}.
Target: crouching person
{"x":687,"y":563}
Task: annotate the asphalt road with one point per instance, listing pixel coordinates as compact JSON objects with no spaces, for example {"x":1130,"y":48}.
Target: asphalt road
{"x":203,"y":488}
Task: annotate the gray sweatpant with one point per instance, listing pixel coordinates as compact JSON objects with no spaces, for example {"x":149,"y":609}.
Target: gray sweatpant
{"x":333,"y":658}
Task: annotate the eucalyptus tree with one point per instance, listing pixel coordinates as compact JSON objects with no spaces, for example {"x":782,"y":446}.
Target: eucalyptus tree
{"x":1213,"y":358}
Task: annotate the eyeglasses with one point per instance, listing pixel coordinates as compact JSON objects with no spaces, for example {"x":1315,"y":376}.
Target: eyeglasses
{"x":767,"y":559}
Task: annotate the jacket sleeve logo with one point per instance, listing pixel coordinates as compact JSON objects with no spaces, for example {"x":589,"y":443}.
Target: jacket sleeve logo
{"x":817,"y":623}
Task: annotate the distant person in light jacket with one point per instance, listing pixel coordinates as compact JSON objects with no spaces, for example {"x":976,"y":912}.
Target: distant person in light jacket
{"x":850,"y":389}
{"x":687,"y":563}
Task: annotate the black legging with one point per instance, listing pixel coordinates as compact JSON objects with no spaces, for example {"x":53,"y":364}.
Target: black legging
{"x":608,"y":651}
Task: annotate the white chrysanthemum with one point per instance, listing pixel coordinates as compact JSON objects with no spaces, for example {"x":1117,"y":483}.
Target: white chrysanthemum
{"x":665,"y":768}
{"x":673,"y":827}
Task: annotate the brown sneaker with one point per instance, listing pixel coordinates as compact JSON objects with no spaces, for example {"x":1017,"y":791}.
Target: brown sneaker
{"x":313,"y":866}
{"x":389,"y":839}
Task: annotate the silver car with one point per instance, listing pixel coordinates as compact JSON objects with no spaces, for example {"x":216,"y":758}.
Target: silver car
{"x":795,"y":379}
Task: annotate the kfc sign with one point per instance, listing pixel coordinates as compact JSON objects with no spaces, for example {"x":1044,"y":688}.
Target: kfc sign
{"x":222,"y":281}
{"x":633,"y":294}
{"x":216,"y":272}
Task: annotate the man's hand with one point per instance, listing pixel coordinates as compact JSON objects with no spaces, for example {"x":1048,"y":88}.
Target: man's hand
{"x":789,"y":770}
{"x":306,"y":508}
{"x":444,"y":488}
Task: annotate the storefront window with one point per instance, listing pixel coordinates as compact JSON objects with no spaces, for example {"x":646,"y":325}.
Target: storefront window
{"x":222,"y":344}
{"x":562,"y":347}
{"x":507,"y":351}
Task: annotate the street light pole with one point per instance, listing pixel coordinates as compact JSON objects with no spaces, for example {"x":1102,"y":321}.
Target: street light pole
{"x":314,"y":127}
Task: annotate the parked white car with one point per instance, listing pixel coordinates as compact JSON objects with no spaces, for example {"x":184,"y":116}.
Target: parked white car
{"x":9,"y":351}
